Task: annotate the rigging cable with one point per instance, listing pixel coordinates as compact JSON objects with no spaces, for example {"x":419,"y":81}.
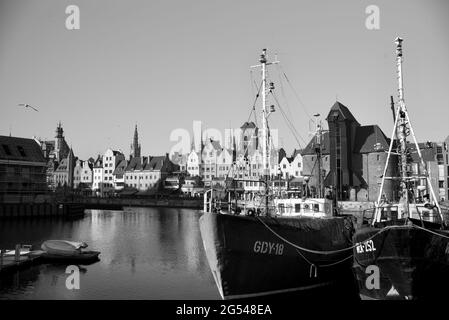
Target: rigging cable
{"x":289,"y":123}
{"x":296,"y":94}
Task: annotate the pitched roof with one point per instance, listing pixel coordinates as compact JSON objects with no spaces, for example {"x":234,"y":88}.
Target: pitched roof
{"x":63,"y":165}
{"x":296,"y":152}
{"x":99,"y":162}
{"x":120,"y":168}
{"x":248,"y":125}
{"x":370,"y":139}
{"x":155,"y":163}
{"x":134,"y":164}
{"x":116,"y":152}
{"x":310,"y":148}
{"x":22,"y":149}
{"x":343,"y":110}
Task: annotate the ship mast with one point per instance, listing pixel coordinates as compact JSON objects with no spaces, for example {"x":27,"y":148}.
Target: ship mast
{"x":402,"y":129}
{"x":265,"y":113}
{"x":318,"y":151}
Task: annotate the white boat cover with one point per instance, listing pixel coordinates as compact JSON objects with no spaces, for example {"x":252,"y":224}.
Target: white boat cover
{"x":63,"y":247}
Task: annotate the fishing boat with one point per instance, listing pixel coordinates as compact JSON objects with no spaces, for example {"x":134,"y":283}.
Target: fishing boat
{"x":68,"y":251}
{"x":273,"y":245}
{"x":402,"y":250}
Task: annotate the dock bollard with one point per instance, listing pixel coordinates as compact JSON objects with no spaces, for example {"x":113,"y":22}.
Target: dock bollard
{"x":17,"y":253}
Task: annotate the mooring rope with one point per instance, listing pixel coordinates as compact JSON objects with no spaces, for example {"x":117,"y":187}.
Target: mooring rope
{"x":328,"y":252}
{"x":430,"y":231}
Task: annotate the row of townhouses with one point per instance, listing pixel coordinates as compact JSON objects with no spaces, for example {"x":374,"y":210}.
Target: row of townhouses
{"x":352,"y":158}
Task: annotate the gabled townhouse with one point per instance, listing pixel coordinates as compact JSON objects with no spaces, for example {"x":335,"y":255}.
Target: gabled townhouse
{"x":224,"y":163}
{"x":111,"y":159}
{"x":209,"y":157}
{"x":194,"y":168}
{"x":97,"y":181}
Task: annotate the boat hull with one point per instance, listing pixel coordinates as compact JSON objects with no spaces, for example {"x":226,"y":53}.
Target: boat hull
{"x":409,"y":263}
{"x":80,"y":258}
{"x":248,"y":260}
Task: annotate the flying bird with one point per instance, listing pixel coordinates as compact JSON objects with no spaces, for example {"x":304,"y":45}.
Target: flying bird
{"x":27,"y":106}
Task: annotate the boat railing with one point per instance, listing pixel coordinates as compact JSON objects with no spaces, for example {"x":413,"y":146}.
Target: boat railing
{"x":387,"y":212}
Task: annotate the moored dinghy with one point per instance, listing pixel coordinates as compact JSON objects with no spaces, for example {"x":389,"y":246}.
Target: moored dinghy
{"x":63,"y":250}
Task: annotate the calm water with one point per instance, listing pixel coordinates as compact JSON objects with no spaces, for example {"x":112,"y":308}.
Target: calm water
{"x":146,"y":253}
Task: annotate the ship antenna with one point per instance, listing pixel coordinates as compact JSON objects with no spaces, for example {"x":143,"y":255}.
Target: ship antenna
{"x":402,"y":129}
{"x":265,"y":154}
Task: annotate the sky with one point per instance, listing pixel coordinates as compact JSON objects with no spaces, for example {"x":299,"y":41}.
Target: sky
{"x":164,"y":64}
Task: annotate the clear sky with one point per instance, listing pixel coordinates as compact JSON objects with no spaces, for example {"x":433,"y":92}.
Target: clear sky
{"x":164,"y":64}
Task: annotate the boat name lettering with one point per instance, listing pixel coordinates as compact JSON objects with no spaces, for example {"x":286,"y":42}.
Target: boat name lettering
{"x":367,"y":246}
{"x":268,"y":247}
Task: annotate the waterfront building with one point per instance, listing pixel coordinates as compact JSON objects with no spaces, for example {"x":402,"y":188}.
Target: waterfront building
{"x":97,"y":182}
{"x":119,"y":175}
{"x":209,"y":159}
{"x":62,"y":149}
{"x":284,"y":167}
{"x":63,"y":175}
{"x":173,"y":182}
{"x":148,"y":173}
{"x":22,"y":169}
{"x":276,"y":155}
{"x":180,"y":160}
{"x":255,"y":164}
{"x":82,"y":176}
{"x":54,"y":151}
{"x":296,"y":164}
{"x":193,"y":186}
{"x":77,"y":173}
{"x":87,"y":173}
{"x":310,"y":160}
{"x":429,"y":157}
{"x":194,"y":168}
{"x":224,"y":163}
{"x":51,"y":167}
{"x":352,"y":158}
{"x":111,"y":159}
{"x":135,"y":145}
{"x":133,"y":170}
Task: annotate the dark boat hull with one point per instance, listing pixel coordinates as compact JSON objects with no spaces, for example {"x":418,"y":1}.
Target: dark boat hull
{"x":248,"y":260}
{"x":409,"y":262}
{"x":80,"y":258}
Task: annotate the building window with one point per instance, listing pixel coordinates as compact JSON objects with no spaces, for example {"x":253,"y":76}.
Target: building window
{"x":7,"y":150}
{"x":21,"y":151}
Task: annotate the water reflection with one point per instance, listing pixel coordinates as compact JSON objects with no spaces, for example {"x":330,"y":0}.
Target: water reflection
{"x":146,"y":253}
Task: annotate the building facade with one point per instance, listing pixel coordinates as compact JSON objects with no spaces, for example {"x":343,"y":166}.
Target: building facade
{"x":148,"y":173}
{"x":22,"y":169}
{"x":111,"y":158}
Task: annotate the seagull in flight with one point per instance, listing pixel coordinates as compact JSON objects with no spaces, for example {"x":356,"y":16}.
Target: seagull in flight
{"x":27,"y":106}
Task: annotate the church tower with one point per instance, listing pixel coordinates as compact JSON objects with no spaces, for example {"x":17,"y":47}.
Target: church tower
{"x":61,"y":147}
{"x":135,"y":146}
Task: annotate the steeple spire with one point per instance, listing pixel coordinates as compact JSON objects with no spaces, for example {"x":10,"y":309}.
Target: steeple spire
{"x":135,"y":146}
